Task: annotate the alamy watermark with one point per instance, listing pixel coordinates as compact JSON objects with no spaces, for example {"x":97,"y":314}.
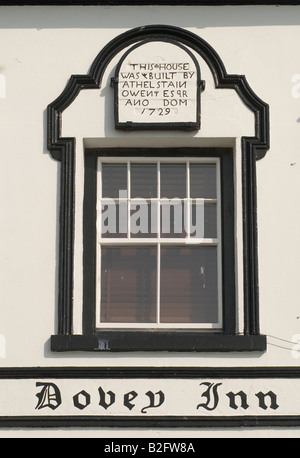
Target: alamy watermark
{"x":2,"y":86}
{"x":296,"y":86}
{"x":142,"y":216}
{"x":296,"y":347}
{"x":2,"y":347}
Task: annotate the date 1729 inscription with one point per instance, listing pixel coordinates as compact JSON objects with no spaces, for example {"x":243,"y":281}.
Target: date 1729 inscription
{"x":154,"y":90}
{"x":158,"y":83}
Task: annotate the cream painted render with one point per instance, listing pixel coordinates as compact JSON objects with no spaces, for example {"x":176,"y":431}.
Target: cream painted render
{"x":41,"y":47}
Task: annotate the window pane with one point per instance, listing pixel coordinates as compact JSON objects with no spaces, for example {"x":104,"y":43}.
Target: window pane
{"x":203,"y":181}
{"x":189,"y":292}
{"x":114,"y":219}
{"x":172,"y":222}
{"x":114,"y":179}
{"x":210,"y":221}
{"x":173,"y":181}
{"x":128,"y":284}
{"x":143,"y":180}
{"x":143,"y":218}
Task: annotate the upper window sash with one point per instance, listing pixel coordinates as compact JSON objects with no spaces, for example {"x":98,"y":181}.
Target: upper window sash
{"x":158,"y":206}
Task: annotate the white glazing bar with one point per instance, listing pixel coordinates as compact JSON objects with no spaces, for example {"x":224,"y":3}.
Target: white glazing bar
{"x":128,"y":199}
{"x":198,"y":326}
{"x":158,"y":197}
{"x":98,"y":237}
{"x":188,"y":194}
{"x":158,"y":247}
{"x":163,"y":241}
{"x":158,"y":285}
{"x":98,"y":289}
{"x":99,"y":188}
{"x":219,"y":246}
{"x":163,"y":160}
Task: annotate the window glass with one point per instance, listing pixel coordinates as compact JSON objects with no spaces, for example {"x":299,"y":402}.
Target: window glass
{"x":114,"y":219}
{"x":189,"y":285}
{"x":203,"y":181}
{"x":143,"y":219}
{"x":128,"y":284}
{"x":167,"y":272}
{"x":143,"y":180}
{"x":173,"y":181}
{"x":210,"y":220}
{"x":114,"y":180}
{"x":172,"y":218}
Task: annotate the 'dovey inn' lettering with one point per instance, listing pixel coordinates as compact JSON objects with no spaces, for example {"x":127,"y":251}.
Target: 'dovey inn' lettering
{"x":211,"y":395}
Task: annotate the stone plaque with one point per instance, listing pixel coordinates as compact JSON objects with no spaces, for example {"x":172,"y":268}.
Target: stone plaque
{"x":157,"y":86}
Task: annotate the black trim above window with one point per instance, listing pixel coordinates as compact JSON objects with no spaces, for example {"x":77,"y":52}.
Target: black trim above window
{"x":150,"y":2}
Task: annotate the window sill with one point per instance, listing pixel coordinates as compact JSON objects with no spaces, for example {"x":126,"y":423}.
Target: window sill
{"x":179,"y":341}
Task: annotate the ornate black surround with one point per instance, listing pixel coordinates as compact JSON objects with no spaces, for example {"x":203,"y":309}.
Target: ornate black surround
{"x":64,"y":149}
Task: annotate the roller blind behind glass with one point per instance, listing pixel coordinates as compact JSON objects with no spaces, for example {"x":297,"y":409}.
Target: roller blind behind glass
{"x":151,"y":273}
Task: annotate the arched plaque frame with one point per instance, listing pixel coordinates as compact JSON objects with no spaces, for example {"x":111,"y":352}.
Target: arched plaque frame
{"x":161,"y":125}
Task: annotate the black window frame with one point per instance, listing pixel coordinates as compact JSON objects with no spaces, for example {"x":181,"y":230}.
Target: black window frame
{"x":171,"y":340}
{"x":168,"y":339}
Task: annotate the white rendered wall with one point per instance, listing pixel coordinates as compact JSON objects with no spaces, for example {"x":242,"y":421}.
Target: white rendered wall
{"x":40,"y":48}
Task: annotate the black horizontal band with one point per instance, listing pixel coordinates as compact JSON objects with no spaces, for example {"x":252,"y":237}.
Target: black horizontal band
{"x":272,"y":372}
{"x":148,"y":422}
{"x":181,"y":341}
{"x":149,"y":2}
